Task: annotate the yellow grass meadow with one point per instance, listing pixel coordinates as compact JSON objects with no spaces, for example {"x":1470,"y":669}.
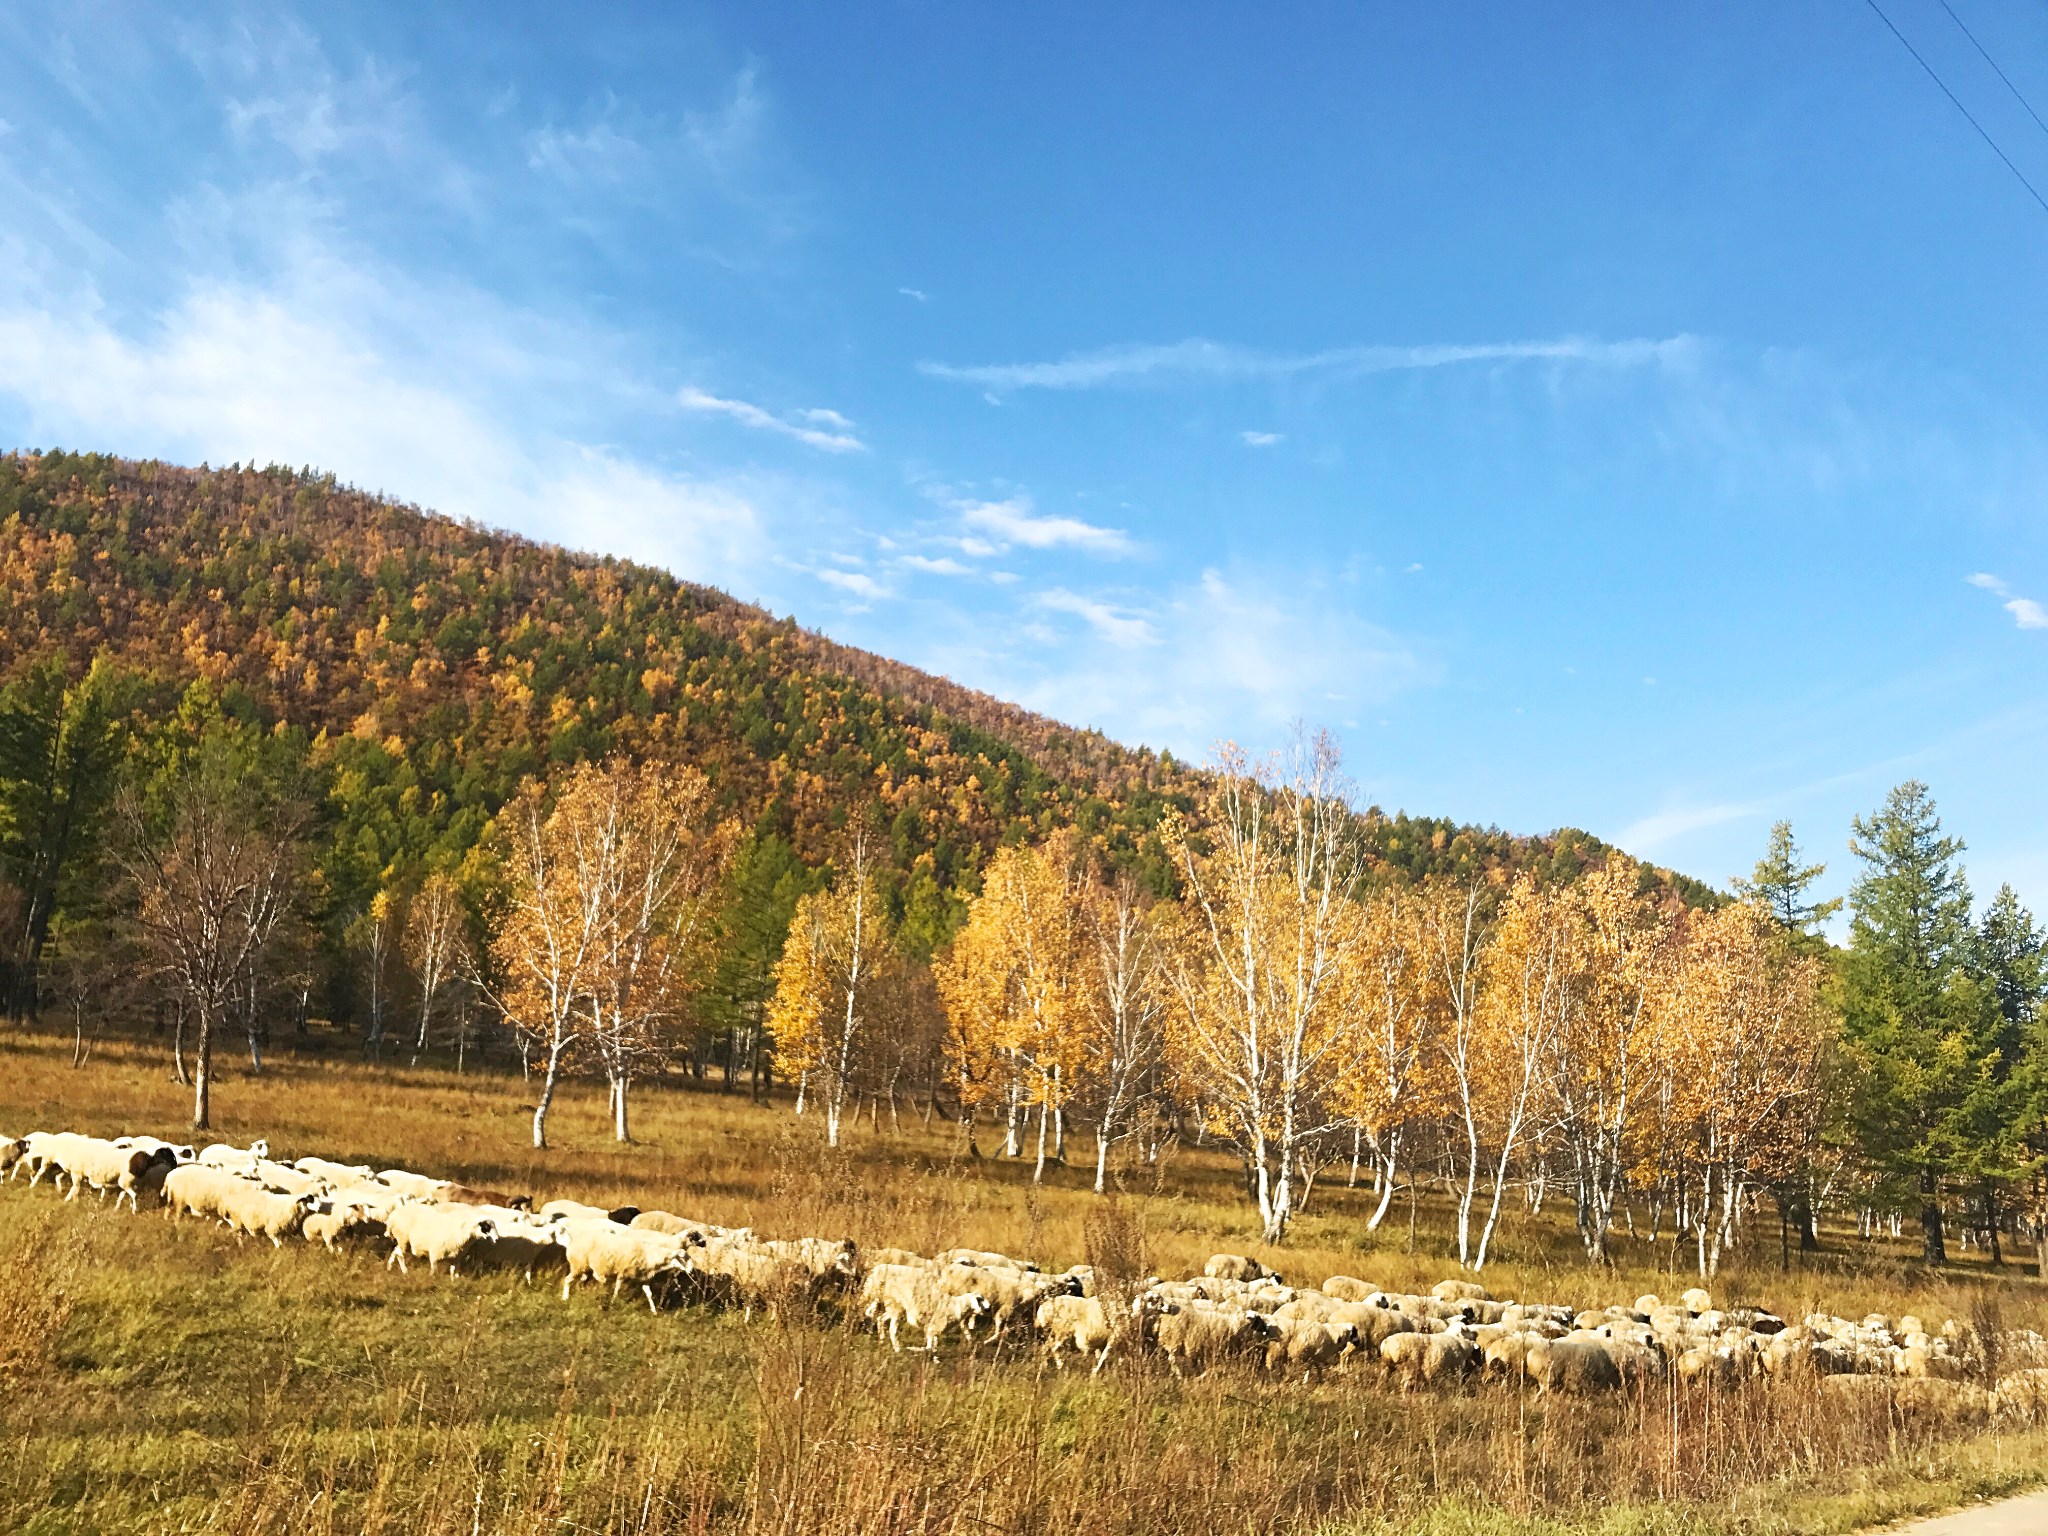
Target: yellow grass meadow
{"x":160,"y":1376}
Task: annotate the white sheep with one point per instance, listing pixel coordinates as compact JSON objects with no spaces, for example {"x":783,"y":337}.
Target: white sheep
{"x":897,"y":1296}
{"x":601,"y":1249}
{"x":334,"y":1173}
{"x":236,"y":1159}
{"x":262,"y":1213}
{"x":416,"y":1186}
{"x":440,"y":1234}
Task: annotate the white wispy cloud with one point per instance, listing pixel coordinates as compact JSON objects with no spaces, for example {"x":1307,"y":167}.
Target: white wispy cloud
{"x":1261,"y":439}
{"x":935,"y":565}
{"x":859,"y":583}
{"x":1239,"y":653}
{"x":1200,"y":361}
{"x":836,"y":440}
{"x":915,"y":293}
{"x":1015,"y":522}
{"x":1121,"y":627}
{"x":2025,"y":611}
{"x":233,"y":372}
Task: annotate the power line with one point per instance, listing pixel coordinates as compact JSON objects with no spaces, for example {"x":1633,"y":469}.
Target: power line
{"x":1957,"y":102}
{"x":2016,"y":96}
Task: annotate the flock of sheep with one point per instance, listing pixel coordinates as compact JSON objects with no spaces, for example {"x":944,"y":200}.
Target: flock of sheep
{"x":1236,"y":1309}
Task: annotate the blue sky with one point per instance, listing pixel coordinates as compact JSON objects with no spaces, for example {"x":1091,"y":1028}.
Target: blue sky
{"x":1602,"y":416}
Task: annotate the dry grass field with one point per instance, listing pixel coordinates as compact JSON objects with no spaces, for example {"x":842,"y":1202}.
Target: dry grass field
{"x":158,"y":1376}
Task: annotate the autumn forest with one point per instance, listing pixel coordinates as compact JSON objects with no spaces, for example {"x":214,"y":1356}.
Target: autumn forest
{"x":287,"y":767}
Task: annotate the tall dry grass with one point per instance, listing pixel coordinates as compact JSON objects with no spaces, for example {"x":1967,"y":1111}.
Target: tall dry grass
{"x":167,"y":1379}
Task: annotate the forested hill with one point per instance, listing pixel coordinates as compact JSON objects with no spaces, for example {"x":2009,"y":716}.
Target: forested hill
{"x":432,"y":664}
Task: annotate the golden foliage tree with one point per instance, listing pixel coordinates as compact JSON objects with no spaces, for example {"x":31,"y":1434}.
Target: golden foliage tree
{"x":604,"y":886}
{"x":1259,"y":1027}
{"x":1012,"y":989}
{"x":1739,"y":1036}
{"x":836,"y":968}
{"x":1385,"y":1080}
{"x":1126,"y":991}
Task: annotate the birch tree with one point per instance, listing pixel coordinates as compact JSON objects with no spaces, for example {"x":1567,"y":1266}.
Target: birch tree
{"x":1256,"y":1027}
{"x":1011,"y":987}
{"x":432,"y":945}
{"x":660,"y":859}
{"x":1384,"y":1076}
{"x":1739,"y":1038}
{"x":213,"y":870}
{"x":1127,"y":994}
{"x":832,"y":972}
{"x":545,"y":948}
{"x":1596,"y":1057}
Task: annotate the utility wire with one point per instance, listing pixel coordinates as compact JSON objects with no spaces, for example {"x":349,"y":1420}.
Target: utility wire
{"x":2016,"y":96}
{"x":1957,"y":102}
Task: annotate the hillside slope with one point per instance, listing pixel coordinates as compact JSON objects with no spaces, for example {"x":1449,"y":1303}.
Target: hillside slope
{"x":438,"y":663}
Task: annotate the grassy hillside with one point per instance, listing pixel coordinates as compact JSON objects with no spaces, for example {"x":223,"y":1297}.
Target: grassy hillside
{"x":160,"y":1376}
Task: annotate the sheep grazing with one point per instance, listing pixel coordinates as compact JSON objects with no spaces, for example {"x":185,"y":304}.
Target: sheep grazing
{"x":235,"y":1159}
{"x":440,"y":1234}
{"x":12,"y":1150}
{"x":259,"y":1212}
{"x":1578,"y":1362}
{"x":334,"y":1173}
{"x":1237,"y":1266}
{"x":1344,"y":1288}
{"x":332,"y":1222}
{"x":1308,"y":1345}
{"x":576,"y":1210}
{"x":875,"y":1256}
{"x":898,"y":1296}
{"x":470,"y":1194}
{"x":980,"y":1258}
{"x":1201,"y":1334}
{"x":1459,"y":1291}
{"x":1430,"y":1359}
{"x":601,"y":1249}
{"x":1079,"y":1323}
{"x":180,"y":1153}
{"x":106,"y":1165}
{"x":416,"y":1186}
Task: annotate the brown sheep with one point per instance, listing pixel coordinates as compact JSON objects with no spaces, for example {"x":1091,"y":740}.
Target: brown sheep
{"x":1237,"y":1266}
{"x":1430,"y":1359}
{"x":1200,"y":1335}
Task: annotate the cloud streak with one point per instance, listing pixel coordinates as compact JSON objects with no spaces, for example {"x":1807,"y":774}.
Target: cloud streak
{"x":1120,"y":627}
{"x":820,"y":429}
{"x":2026,"y":612}
{"x":1199,"y":361}
{"x":1015,"y":523}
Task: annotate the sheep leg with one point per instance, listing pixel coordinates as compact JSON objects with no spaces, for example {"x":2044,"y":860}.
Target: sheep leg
{"x":648,"y":1292}
{"x":1101,"y":1360}
{"x":617,"y":1282}
{"x":568,"y":1280}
